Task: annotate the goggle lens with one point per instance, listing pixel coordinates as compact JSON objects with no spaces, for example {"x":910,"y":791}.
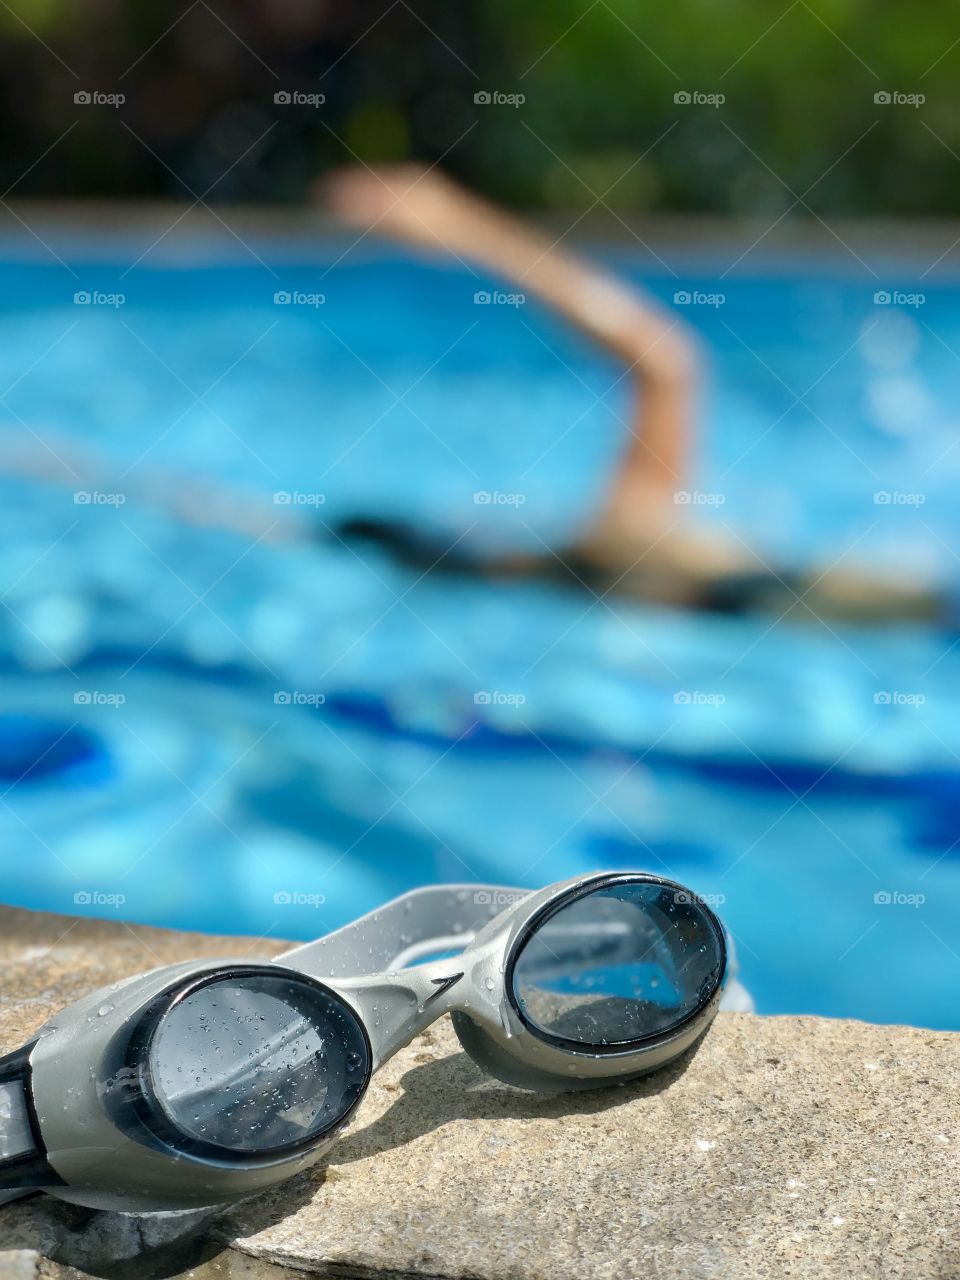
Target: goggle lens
{"x":618,"y":964}
{"x":257,"y":1063}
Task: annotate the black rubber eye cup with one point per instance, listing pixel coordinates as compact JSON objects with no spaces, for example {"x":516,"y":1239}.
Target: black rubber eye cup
{"x":616,"y":965}
{"x":248,"y":1064}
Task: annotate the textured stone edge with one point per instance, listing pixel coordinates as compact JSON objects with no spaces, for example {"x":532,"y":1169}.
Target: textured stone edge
{"x":229,"y":1264}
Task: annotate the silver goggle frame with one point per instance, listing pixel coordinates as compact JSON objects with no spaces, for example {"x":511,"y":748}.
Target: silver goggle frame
{"x":66,"y":1087}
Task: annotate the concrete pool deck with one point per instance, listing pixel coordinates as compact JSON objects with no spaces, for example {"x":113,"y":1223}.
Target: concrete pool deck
{"x":784,"y":1146}
{"x":180,"y":231}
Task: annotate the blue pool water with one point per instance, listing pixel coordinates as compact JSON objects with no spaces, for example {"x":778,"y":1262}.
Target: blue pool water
{"x":202,"y":732}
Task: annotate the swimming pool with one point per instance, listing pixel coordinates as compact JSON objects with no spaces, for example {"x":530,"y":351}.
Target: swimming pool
{"x":203,"y":732}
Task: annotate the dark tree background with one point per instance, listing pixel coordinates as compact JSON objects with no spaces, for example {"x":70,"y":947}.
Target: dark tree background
{"x":599,"y":79}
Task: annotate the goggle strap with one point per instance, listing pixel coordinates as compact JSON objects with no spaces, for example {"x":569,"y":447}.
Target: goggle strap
{"x":23,"y":1162}
{"x":16,"y":1136}
{"x":415,"y":925}
{"x":7,"y":1196}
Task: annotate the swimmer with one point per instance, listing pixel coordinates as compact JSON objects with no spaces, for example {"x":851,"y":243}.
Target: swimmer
{"x":642,"y":543}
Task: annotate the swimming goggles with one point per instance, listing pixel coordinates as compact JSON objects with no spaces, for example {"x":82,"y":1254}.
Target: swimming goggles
{"x":199,"y":1083}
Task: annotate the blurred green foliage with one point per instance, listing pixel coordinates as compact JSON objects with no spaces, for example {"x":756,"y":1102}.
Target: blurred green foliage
{"x":799,"y":124}
{"x":799,"y":81}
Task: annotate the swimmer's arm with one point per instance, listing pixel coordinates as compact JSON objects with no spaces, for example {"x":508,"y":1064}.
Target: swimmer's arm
{"x":429,"y":210}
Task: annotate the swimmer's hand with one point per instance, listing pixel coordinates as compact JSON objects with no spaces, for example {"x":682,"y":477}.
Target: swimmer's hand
{"x":410,"y":202}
